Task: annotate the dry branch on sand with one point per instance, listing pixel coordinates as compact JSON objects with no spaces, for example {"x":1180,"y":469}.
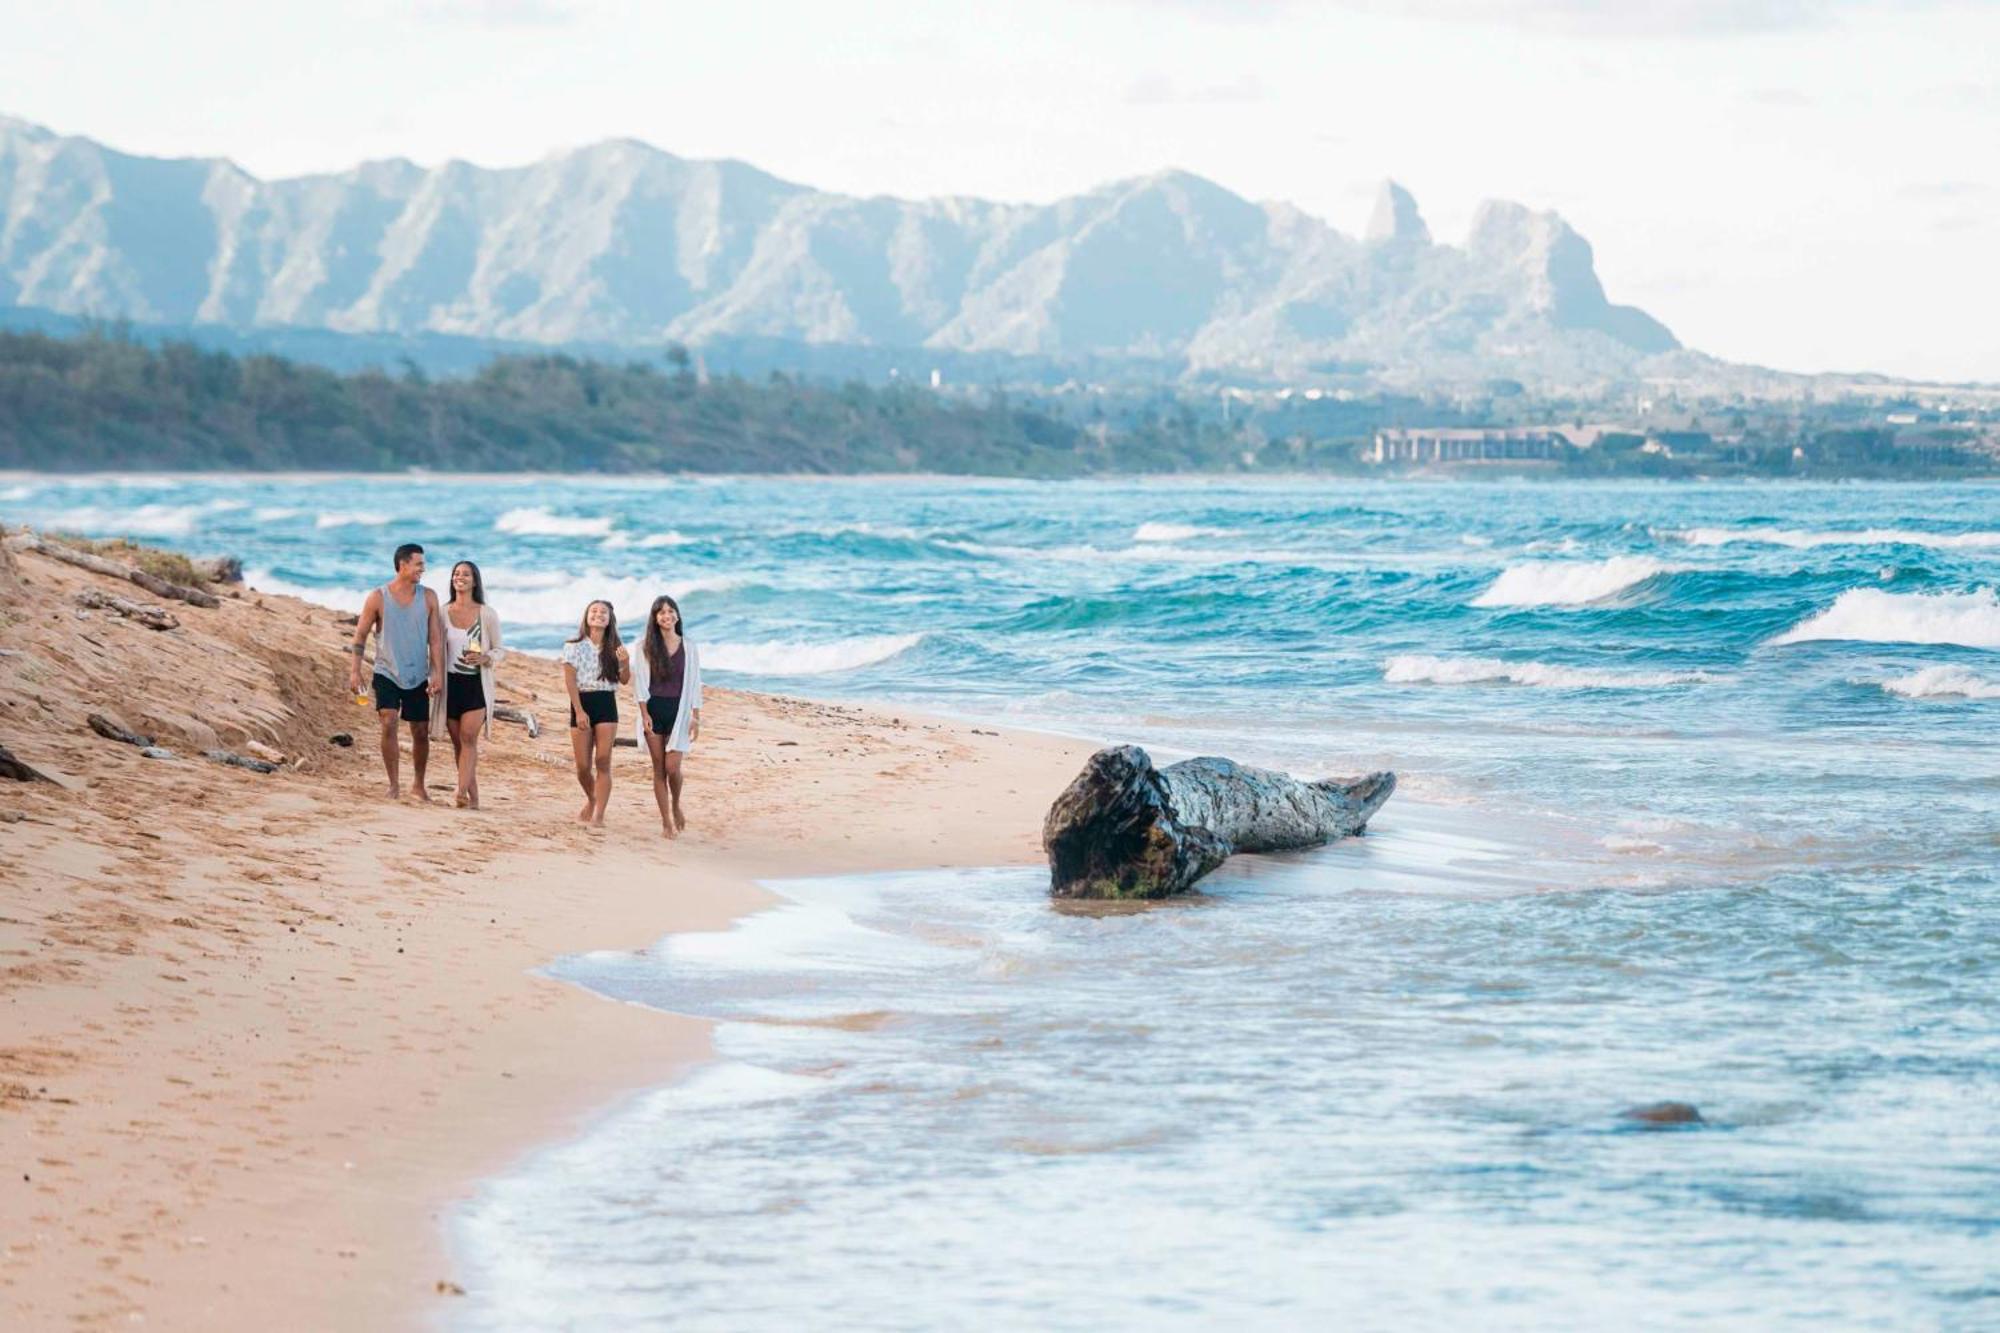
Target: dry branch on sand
{"x":152,"y":617}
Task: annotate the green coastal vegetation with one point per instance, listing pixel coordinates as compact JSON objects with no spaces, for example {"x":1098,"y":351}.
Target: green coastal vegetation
{"x":104,"y":399}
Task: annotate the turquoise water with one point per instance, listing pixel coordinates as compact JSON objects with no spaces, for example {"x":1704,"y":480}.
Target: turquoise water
{"x":1701,"y":800}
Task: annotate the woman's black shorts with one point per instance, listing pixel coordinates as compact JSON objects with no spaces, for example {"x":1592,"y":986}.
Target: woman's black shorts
{"x":463,"y":693}
{"x":662,"y":713}
{"x":600,"y":706}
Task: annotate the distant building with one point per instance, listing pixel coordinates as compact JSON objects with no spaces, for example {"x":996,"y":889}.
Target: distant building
{"x":1476,"y":446}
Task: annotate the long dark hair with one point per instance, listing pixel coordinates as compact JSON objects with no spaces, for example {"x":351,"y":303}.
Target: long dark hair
{"x":607,"y":648}
{"x":478,"y":583}
{"x":656,"y":642}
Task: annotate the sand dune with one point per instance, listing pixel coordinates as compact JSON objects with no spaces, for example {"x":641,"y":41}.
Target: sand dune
{"x":258,"y":1031}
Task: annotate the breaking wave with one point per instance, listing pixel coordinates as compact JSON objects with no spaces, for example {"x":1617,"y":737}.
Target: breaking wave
{"x":1419,"y":668}
{"x":1802,"y":539}
{"x":1560,"y":583}
{"x":1943,"y":682}
{"x":1869,"y":615}
{"x":1174,"y":532}
{"x":537,"y":521}
{"x":353,"y":520}
{"x":784,"y":657}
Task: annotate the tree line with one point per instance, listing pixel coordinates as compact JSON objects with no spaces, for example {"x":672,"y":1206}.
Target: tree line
{"x":106,"y":400}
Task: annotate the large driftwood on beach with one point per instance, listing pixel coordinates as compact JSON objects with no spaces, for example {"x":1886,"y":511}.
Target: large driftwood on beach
{"x":152,"y":617}
{"x":97,"y":564}
{"x":1124,"y":829}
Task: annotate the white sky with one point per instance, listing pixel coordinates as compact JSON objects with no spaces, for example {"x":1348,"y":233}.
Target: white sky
{"x":1808,"y":184}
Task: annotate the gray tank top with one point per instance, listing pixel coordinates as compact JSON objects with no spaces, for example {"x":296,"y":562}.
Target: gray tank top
{"x":403,"y":643}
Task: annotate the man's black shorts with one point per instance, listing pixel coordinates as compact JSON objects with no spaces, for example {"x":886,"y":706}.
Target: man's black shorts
{"x":414,"y":705}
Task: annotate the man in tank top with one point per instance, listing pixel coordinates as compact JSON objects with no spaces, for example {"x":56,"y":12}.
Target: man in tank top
{"x":409,"y":661}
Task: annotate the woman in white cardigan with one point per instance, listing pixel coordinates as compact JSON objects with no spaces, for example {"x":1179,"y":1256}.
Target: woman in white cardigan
{"x":464,"y":711}
{"x":666,"y":684}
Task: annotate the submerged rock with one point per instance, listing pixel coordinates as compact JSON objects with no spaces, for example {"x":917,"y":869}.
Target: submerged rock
{"x":1663,"y":1114}
{"x":1124,"y":829}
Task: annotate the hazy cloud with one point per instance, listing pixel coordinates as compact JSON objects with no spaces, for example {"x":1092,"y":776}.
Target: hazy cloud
{"x":1942,"y":189}
{"x":1587,"y":18}
{"x":1160,"y":90}
{"x":1782,"y":98}
{"x":502,"y":13}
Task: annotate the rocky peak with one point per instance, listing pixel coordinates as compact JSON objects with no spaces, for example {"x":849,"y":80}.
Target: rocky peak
{"x":1396,"y":219}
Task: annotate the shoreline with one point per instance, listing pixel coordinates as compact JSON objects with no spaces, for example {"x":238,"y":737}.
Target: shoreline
{"x":268,"y":1031}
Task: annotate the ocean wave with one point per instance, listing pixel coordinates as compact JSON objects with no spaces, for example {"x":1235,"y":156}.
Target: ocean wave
{"x":358,"y":519}
{"x":1419,"y":668}
{"x":619,"y":541}
{"x":147,"y":520}
{"x":1174,"y":532}
{"x":537,"y":521}
{"x":1869,"y":615}
{"x":784,"y":657}
{"x":274,"y":513}
{"x":1803,"y":539}
{"x":1943,"y":682}
{"x":1556,"y":583}
{"x":17,"y":493}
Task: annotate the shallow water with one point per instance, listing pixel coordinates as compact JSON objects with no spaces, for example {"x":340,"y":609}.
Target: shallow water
{"x":1701,"y":801}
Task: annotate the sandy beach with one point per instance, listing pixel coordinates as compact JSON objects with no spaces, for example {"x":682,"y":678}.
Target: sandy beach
{"x":262,"y":1030}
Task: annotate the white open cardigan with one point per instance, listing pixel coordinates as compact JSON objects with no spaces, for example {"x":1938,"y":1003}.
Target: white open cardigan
{"x":489,"y":635}
{"x":690,"y":693}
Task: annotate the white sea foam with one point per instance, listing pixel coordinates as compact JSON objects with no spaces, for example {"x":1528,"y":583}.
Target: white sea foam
{"x":1474,"y":539}
{"x":619,"y":541}
{"x":784,"y":657}
{"x":537,"y":521}
{"x":358,"y":519}
{"x":17,"y":493}
{"x":1174,"y":532}
{"x":1802,"y":538}
{"x":1418,"y":668}
{"x":1557,"y":583}
{"x":1943,"y":682}
{"x":147,"y":520}
{"x":1567,"y":546}
{"x":1627,"y":845}
{"x":1869,"y":615}
{"x":274,"y":513}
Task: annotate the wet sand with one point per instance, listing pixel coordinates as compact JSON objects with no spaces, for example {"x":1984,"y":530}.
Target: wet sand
{"x":258,"y":1033}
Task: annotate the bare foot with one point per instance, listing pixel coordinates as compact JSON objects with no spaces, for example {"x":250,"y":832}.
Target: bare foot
{"x":667,"y":829}
{"x":583,"y":815}
{"x":680,"y":818}
{"x":422,"y":794}
{"x":461,"y":800}
{"x":395,"y":792}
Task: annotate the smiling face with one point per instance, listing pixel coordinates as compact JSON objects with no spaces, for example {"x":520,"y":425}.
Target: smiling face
{"x":461,"y":577}
{"x":412,"y":567}
{"x":597,"y":615}
{"x":667,"y":618}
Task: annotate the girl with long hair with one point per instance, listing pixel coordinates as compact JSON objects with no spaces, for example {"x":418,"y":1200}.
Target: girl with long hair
{"x":595,"y":664}
{"x":472,"y":650}
{"x":666,"y":684}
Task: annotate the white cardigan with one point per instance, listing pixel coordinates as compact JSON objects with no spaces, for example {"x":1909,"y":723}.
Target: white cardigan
{"x":489,"y":635}
{"x":690,"y":693}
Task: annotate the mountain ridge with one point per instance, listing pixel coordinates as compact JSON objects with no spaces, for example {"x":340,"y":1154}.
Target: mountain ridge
{"x":622,"y":242}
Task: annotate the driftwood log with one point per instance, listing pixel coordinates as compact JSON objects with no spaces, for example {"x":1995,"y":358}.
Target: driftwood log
{"x":509,"y":713}
{"x":97,"y":564}
{"x":152,"y":617}
{"x":1124,"y":829}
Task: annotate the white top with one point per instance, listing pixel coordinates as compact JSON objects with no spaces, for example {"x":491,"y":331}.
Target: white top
{"x":583,"y":655}
{"x":455,"y":640}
